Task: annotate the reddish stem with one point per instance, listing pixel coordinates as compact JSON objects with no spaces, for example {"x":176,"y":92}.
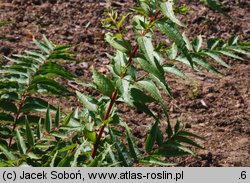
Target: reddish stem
{"x":24,"y":96}
{"x":113,"y":98}
{"x":112,"y":101}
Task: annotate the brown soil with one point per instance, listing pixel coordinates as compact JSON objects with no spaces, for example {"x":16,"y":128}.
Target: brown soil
{"x":218,"y":109}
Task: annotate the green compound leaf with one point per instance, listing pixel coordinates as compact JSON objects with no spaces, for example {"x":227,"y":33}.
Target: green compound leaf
{"x":103,"y":84}
{"x":152,"y":136}
{"x":87,"y":102}
{"x":215,"y":5}
{"x":8,"y":106}
{"x":175,"y":71}
{"x":51,"y":69}
{"x":39,"y":132}
{"x":35,"y":104}
{"x":118,"y":44}
{"x":186,"y":140}
{"x":216,"y":58}
{"x":135,"y":152}
{"x":147,"y":48}
{"x":6,"y":151}
{"x":151,"y":160}
{"x":48,"y":120}
{"x":46,"y":85}
{"x":197,"y":43}
{"x":154,"y":92}
{"x":167,"y":10}
{"x":173,"y":33}
{"x":156,"y":73}
{"x":20,"y":142}
{"x":29,"y":133}
{"x":58,"y":116}
{"x":121,"y":149}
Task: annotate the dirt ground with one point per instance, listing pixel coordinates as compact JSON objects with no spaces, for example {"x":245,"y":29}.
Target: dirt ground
{"x":223,"y":121}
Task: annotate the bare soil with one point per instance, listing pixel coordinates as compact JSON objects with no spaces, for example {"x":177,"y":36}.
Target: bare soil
{"x":215,"y":107}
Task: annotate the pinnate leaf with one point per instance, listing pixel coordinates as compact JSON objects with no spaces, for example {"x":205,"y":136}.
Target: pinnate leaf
{"x":167,"y":10}
{"x":103,"y":84}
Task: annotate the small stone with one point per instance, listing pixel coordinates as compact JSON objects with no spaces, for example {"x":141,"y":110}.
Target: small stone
{"x":203,"y":103}
{"x":237,"y":106}
{"x":84,"y":65}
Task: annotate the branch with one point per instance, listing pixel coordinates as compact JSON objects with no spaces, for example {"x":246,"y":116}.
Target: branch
{"x":115,"y":93}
